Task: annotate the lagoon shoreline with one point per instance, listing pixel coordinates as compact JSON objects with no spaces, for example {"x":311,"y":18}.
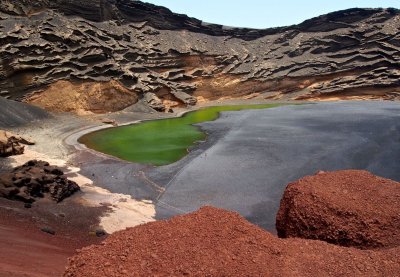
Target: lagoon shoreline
{"x":143,"y":186}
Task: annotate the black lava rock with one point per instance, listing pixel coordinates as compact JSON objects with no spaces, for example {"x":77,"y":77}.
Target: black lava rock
{"x":36,"y":179}
{"x":48,"y":230}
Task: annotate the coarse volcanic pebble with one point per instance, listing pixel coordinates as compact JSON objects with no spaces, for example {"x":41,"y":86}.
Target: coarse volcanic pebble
{"x":214,"y":242}
{"x":349,"y":208}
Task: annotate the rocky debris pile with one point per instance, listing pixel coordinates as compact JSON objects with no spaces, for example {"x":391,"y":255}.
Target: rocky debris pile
{"x":139,"y":51}
{"x":214,"y":242}
{"x":349,"y":208}
{"x":36,"y":179}
{"x":10,"y":144}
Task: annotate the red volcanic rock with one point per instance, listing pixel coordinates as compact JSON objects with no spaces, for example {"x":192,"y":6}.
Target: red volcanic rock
{"x":214,"y":242}
{"x":348,"y":208}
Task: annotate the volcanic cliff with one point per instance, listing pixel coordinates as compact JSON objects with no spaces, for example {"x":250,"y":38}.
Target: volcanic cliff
{"x":83,"y":55}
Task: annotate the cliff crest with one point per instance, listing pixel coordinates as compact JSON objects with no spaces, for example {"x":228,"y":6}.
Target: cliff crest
{"x":149,"y":50}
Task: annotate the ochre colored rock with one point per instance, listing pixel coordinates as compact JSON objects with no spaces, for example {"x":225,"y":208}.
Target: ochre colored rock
{"x":348,"y":208}
{"x":109,"y":121}
{"x":84,"y":97}
{"x":214,"y":242}
{"x":10,"y":144}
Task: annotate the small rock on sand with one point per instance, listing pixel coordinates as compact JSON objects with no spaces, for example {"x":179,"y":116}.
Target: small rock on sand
{"x":48,"y":230}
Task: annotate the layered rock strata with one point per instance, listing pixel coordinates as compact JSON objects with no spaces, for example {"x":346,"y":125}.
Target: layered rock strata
{"x":148,"y":49}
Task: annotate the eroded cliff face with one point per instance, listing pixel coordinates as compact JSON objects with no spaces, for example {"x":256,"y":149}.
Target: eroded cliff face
{"x":169,"y":58}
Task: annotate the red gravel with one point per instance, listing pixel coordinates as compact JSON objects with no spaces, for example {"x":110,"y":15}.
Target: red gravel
{"x":214,"y":242}
{"x":348,"y":208}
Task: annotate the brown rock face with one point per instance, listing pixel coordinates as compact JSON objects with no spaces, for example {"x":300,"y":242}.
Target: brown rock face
{"x":64,"y":96}
{"x":161,"y":56}
{"x":10,"y":144}
{"x":348,"y":208}
{"x":214,"y":242}
{"x":36,"y":179}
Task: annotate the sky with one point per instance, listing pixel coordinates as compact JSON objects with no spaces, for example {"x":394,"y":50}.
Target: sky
{"x":264,"y":13}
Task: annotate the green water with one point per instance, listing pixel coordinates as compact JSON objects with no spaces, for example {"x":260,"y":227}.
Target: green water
{"x":158,"y":142}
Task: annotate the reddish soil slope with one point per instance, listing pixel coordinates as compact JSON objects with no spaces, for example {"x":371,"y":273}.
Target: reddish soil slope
{"x":25,"y":250}
{"x":214,"y":242}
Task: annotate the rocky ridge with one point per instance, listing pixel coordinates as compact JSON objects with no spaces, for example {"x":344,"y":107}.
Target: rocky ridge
{"x":168,"y":58}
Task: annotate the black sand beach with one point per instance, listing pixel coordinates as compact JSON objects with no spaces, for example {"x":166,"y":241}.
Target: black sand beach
{"x":250,"y":156}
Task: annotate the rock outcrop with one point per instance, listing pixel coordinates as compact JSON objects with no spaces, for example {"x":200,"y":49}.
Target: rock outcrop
{"x":10,"y":144}
{"x":349,"y":208}
{"x":64,"y":96}
{"x":214,"y":242}
{"x":148,"y":49}
{"x":34,"y":180}
{"x":154,"y":102}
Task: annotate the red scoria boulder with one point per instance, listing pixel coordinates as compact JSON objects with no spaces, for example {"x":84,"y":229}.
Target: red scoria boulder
{"x":348,"y":208}
{"x":214,"y":242}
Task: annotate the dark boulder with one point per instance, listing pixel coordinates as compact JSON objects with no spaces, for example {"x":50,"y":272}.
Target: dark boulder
{"x":36,"y":179}
{"x":48,"y":230}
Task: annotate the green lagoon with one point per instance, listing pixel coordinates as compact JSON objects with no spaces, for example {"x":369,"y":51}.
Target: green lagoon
{"x":158,"y":142}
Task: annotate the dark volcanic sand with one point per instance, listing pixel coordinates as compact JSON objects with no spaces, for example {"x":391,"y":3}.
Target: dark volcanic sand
{"x":250,"y":156}
{"x":27,"y":251}
{"x":260,"y":152}
{"x":14,"y":113}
